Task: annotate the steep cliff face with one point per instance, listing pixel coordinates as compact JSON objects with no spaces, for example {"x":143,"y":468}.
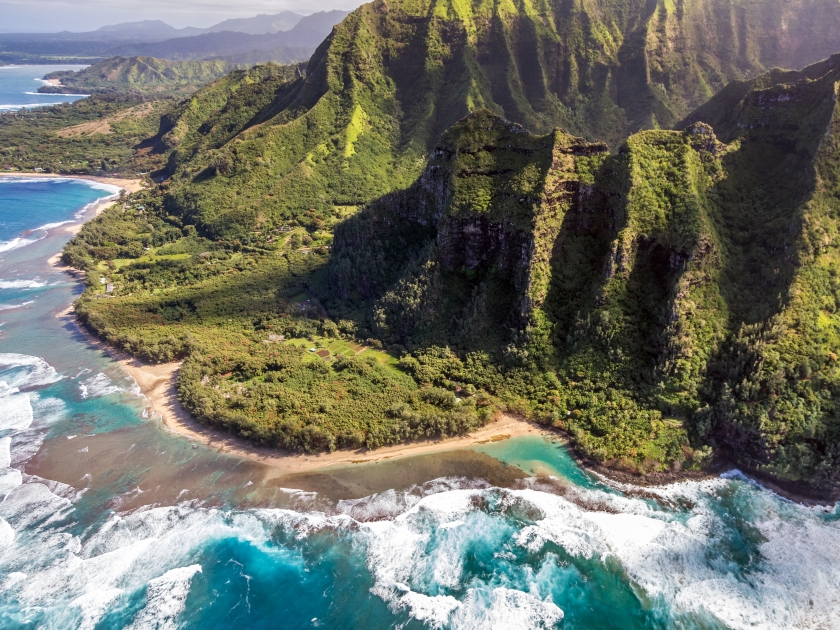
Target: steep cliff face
{"x":482,"y":219}
{"x":394,"y":76}
{"x":772,"y":390}
{"x":679,"y":294}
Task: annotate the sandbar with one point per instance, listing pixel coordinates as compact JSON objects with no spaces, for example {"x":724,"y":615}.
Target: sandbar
{"x":157,"y":384}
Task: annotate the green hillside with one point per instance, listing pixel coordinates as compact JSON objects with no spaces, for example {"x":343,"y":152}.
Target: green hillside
{"x":681,"y":293}
{"x":127,"y":133}
{"x":632,"y":299}
{"x":138,"y":75}
{"x":350,"y":257}
{"x":392,"y":77}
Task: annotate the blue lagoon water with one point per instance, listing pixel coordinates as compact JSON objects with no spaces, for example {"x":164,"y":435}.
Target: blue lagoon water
{"x":109,"y":521}
{"x":19,"y":87}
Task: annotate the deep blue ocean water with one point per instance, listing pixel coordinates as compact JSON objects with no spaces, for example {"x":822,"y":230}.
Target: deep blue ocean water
{"x":19,"y":87}
{"x":109,"y":521}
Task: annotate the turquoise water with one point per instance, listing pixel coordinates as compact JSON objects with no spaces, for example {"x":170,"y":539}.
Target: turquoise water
{"x":19,"y":87}
{"x":108,"y":521}
{"x":539,"y":456}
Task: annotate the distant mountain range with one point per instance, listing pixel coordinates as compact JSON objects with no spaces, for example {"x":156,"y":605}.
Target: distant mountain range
{"x":157,"y":30}
{"x":306,"y":34}
{"x":287,"y":36}
{"x":259,"y":24}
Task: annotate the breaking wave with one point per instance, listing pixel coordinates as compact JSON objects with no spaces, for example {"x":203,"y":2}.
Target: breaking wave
{"x":458,"y":558}
{"x":16,"y":243}
{"x":21,"y":284}
{"x":98,"y":386}
{"x":451,"y":553}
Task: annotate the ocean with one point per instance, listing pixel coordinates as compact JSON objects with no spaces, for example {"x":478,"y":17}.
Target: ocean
{"x":19,"y":87}
{"x":108,"y":520}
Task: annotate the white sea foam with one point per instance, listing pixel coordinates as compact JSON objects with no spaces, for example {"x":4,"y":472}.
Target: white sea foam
{"x":425,"y":547}
{"x":505,"y":608}
{"x":21,"y":284}
{"x":25,"y":444}
{"x":165,"y":599}
{"x":30,"y":506}
{"x":7,"y":534}
{"x":22,"y":241}
{"x":28,"y":371}
{"x":15,"y":409}
{"x":5,"y":452}
{"x":17,"y":243}
{"x":669,"y":555}
{"x":47,"y":410}
{"x":796,"y":585}
{"x":93,"y":606}
{"x":98,"y":386}
{"x":9,"y":480}
{"x":113,"y":189}
{"x":10,"y":307}
{"x":13,"y":108}
{"x":434,"y":611}
{"x":51,"y":95}
{"x":49,"y":226}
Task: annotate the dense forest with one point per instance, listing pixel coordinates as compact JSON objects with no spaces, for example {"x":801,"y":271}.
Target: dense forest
{"x":347,"y":257}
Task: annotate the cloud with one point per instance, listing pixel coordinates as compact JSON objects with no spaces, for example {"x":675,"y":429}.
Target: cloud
{"x":46,"y":16}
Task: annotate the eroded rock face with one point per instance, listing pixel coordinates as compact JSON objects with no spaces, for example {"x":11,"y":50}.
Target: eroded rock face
{"x":680,"y":278}
{"x":382,"y":90}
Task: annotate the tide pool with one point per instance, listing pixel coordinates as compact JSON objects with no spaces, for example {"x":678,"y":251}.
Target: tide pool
{"x":108,"y":521}
{"x":540,"y":457}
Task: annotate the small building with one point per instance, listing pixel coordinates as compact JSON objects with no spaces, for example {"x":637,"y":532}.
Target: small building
{"x":109,"y":288}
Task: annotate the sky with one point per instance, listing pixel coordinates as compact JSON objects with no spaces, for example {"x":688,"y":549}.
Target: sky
{"x":47,"y":16}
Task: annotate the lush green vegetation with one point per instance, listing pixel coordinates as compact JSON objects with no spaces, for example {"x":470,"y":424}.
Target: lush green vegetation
{"x":98,"y":135}
{"x":137,"y":75}
{"x":126,"y":134}
{"x":659,"y":303}
{"x":382,"y":89}
{"x":674,"y":297}
{"x":242,"y":315}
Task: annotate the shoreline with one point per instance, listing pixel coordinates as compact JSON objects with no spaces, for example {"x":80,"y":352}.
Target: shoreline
{"x":128,"y":184}
{"x":157,"y":383}
{"x":74,"y":227}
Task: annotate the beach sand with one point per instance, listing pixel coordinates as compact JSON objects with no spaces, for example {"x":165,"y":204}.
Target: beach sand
{"x":157,"y":383}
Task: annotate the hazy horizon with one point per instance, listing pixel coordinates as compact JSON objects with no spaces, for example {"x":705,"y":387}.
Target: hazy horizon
{"x":54,"y":16}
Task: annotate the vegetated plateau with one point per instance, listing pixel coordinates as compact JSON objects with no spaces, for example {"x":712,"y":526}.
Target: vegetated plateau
{"x":348,"y":258}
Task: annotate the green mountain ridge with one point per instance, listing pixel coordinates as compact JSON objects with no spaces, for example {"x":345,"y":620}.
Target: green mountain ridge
{"x":661,"y":303}
{"x":392,"y":77}
{"x":684,"y":288}
{"x":137,"y":75}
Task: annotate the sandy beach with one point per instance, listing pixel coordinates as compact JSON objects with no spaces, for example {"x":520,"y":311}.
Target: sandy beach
{"x":157,"y":383}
